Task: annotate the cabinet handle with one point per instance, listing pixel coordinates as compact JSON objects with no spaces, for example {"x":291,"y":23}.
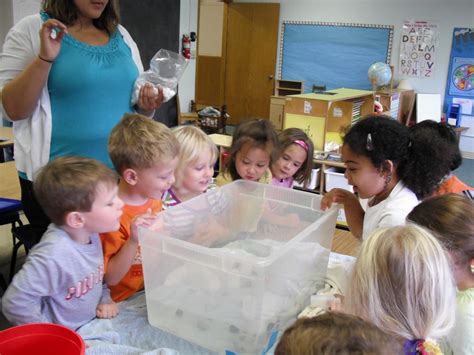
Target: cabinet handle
{"x":270,"y":77}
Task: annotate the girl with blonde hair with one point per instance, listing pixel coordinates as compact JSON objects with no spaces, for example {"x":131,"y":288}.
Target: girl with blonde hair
{"x":402,"y":283}
{"x":195,"y":169}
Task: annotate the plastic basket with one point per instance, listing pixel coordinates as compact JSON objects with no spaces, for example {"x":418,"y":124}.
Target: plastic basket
{"x":41,"y":339}
{"x":212,"y":124}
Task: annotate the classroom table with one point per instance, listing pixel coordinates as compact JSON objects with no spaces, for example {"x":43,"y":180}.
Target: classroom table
{"x":344,"y":242}
{"x":10,"y":186}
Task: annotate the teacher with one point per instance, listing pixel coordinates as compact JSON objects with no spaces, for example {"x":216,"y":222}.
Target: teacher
{"x":66,"y":78}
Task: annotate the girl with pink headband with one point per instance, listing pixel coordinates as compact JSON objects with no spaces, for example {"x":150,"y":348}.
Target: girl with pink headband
{"x":293,"y":160}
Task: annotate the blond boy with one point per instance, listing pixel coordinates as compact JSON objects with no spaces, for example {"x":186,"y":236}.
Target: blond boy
{"x":62,"y":279}
{"x":145,"y":154}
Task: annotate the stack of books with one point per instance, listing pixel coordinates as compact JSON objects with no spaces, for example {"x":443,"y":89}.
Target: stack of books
{"x":356,"y":109}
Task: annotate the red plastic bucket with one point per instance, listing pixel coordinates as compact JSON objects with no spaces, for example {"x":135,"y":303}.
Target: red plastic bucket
{"x":41,"y":339}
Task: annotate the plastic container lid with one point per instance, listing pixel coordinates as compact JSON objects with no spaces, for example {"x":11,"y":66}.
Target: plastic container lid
{"x":41,"y":339}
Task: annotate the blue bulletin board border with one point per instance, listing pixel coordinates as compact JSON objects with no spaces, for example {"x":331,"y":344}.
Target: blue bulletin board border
{"x":460,"y":82}
{"x":333,"y":54}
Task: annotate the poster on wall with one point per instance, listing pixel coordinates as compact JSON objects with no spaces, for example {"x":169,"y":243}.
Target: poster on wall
{"x":460,"y":85}
{"x":418,"y":45}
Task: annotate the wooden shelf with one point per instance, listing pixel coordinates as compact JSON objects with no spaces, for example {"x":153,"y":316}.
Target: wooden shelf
{"x":288,"y":87}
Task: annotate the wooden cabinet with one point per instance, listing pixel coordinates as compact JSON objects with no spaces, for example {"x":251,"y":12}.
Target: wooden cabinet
{"x":277,"y":109}
{"x":395,"y":101}
{"x":288,"y":87}
{"x":324,"y":117}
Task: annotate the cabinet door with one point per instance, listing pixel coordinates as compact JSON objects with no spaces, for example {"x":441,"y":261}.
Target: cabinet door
{"x":276,"y":115}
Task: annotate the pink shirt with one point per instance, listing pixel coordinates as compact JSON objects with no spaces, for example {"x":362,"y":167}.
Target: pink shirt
{"x":288,"y":182}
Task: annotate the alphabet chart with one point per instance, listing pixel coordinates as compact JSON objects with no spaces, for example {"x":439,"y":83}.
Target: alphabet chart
{"x":418,"y":44}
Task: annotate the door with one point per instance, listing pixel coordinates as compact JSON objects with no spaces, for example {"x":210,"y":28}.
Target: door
{"x":251,"y":49}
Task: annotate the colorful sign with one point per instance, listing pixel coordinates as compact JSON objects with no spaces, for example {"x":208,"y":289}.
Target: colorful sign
{"x":418,"y":45}
{"x":462,"y":77}
{"x":460,"y":85}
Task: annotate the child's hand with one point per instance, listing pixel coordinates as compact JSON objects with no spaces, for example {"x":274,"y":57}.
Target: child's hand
{"x":335,"y":196}
{"x":143,"y":220}
{"x":106,"y":310}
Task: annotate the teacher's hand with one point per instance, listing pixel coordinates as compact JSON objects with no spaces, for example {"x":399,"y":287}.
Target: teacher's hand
{"x":149,"y":99}
{"x":51,"y":34}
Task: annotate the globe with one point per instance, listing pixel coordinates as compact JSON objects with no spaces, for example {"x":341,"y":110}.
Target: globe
{"x":380,"y":74}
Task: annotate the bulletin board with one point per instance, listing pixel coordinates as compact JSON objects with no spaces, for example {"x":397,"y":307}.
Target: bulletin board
{"x":460,"y":85}
{"x":332,"y":54}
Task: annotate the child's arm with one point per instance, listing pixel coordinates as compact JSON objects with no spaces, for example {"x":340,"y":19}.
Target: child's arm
{"x":21,"y":303}
{"x":107,"y":308}
{"x":352,"y":208}
{"x":120,"y":263}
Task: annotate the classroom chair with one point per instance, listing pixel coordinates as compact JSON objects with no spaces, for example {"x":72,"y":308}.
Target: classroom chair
{"x":22,"y":234}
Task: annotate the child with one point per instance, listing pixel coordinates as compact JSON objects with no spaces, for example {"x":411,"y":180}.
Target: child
{"x":334,"y":333}
{"x":61,"y":280}
{"x":250,"y":153}
{"x":378,"y":155}
{"x":451,"y":219}
{"x":197,"y":157}
{"x":145,"y":154}
{"x":440,"y":142}
{"x":402,"y":283}
{"x":295,"y":158}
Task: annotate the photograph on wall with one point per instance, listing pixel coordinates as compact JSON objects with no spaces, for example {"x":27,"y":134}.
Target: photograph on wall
{"x":418,"y":46}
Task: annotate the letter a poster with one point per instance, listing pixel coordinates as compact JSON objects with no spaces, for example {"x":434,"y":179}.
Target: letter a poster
{"x":418,"y":46}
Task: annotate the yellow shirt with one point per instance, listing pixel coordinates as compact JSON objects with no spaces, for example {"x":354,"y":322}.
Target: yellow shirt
{"x":225,"y":178}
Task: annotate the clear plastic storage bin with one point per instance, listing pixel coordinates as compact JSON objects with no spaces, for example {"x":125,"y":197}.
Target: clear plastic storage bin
{"x":227,"y":269}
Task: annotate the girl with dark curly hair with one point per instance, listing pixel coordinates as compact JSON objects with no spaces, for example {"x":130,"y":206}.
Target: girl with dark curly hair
{"x":383,"y":165}
{"x":438,"y":140}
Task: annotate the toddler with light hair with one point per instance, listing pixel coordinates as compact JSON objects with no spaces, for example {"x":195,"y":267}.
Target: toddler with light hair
{"x":402,"y":283}
{"x":195,"y":169}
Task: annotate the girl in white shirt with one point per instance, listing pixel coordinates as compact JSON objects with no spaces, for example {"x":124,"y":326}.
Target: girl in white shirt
{"x":380,"y":165}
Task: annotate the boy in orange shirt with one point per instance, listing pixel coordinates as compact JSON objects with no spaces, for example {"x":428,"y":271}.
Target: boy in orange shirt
{"x":145,"y":154}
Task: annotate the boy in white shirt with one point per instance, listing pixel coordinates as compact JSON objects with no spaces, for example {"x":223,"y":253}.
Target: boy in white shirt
{"x":62,"y":279}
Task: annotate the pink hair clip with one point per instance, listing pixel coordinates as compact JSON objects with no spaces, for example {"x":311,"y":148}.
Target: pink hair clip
{"x":302,"y":144}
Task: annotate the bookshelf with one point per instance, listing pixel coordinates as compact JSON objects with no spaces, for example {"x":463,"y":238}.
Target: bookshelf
{"x":288,"y":87}
{"x":394,"y":101}
{"x":325,"y":116}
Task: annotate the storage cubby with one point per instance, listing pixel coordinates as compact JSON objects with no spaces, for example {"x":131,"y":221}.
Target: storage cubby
{"x":324,"y":117}
{"x":288,"y":87}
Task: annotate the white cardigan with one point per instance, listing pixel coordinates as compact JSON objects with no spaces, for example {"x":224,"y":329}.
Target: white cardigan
{"x":32,"y":135}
